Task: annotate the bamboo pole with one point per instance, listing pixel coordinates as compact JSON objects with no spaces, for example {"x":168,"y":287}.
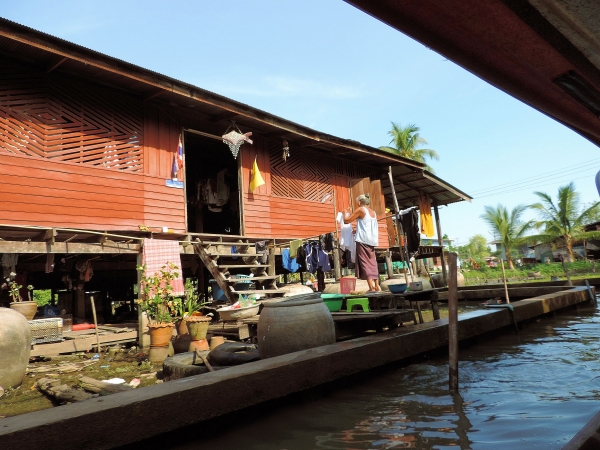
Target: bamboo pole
{"x":504,"y":281}
{"x":399,"y":230}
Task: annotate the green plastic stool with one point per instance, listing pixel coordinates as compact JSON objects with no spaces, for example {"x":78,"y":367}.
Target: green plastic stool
{"x":363,"y":302}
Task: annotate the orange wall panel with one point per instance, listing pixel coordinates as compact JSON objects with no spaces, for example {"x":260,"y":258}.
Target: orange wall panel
{"x":60,"y":194}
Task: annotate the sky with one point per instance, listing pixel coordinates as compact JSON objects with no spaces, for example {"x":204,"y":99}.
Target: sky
{"x":326,"y":65}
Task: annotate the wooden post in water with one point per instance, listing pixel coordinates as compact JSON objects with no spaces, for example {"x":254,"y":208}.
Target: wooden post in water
{"x":438,"y":227}
{"x":452,"y":323}
{"x":389,"y":264}
{"x":562,"y":260}
{"x":504,"y":280}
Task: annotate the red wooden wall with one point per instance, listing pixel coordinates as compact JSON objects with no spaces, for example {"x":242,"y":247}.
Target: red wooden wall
{"x":73,"y":154}
{"x":267,"y":214}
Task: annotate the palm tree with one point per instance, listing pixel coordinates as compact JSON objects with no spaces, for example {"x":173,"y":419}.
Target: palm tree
{"x":508,"y":226}
{"x":406,"y":141}
{"x":563,"y":220}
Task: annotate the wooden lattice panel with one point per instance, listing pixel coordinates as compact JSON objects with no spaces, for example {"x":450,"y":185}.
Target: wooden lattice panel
{"x":352,"y":169}
{"x":305,"y":175}
{"x":60,"y":119}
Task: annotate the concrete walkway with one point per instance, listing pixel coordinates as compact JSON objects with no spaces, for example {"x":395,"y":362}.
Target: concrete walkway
{"x":128,"y":417}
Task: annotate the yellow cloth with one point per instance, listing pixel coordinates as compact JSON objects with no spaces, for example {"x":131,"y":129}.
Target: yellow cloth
{"x":294,"y":246}
{"x":256,"y":178}
{"x":425,"y":212}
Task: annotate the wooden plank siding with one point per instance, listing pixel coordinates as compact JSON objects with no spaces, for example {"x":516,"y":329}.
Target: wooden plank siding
{"x":269,"y":215}
{"x":75,"y":154}
{"x":49,"y":193}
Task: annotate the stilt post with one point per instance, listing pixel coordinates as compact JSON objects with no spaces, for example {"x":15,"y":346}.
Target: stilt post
{"x":504,"y":281}
{"x":452,"y":323}
{"x":441,"y":243}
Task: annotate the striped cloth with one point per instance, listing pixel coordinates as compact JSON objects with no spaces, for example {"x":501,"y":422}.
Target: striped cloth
{"x":157,"y":253}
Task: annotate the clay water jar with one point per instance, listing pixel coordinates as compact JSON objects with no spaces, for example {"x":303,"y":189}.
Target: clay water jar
{"x":15,"y":347}
{"x":294,"y":325}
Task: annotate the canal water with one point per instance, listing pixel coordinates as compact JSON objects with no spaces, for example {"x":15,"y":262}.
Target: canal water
{"x":534,"y":390}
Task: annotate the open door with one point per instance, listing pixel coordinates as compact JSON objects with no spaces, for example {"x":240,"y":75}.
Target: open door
{"x":212,"y":186}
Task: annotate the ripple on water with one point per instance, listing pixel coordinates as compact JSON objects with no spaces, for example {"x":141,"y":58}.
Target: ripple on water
{"x":526,"y":391}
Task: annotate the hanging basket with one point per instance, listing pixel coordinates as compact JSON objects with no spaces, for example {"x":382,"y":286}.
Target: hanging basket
{"x":234,"y":138}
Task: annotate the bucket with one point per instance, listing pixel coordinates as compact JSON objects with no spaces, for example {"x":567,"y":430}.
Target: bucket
{"x":347,"y":284}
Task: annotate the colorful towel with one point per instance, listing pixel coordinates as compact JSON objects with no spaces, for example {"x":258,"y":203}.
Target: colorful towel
{"x":158,"y":253}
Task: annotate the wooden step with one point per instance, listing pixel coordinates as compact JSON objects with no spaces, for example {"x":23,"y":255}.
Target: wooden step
{"x":265,"y":277}
{"x":241,"y":266}
{"x":261,"y":291}
{"x":229,"y":255}
{"x":230,"y":244}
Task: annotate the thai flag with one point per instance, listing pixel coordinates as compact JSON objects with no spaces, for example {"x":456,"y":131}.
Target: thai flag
{"x":178,"y":159}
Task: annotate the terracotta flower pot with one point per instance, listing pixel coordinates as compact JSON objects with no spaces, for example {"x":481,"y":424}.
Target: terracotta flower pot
{"x":160,"y":334}
{"x":198,"y":327}
{"x":28,"y":309}
{"x":181,"y":327}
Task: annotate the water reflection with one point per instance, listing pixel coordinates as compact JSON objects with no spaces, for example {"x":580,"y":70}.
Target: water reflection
{"x":527,"y":391}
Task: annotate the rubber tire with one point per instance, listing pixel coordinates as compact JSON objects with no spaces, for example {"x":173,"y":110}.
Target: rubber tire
{"x":183,"y":365}
{"x":233,"y":354}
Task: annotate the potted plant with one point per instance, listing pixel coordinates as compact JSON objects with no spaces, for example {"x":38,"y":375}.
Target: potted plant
{"x":158,"y":302}
{"x":26,"y":307}
{"x":188,"y":308}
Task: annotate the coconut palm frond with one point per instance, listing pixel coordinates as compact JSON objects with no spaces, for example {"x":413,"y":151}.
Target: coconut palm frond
{"x":406,"y":142}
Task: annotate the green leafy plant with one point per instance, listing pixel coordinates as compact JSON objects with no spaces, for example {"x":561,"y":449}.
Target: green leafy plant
{"x":14,"y":288}
{"x":190,"y":303}
{"x":158,"y":301}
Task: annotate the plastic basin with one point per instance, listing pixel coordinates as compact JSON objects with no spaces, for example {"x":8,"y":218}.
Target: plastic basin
{"x":397,"y":288}
{"x":333,"y":305}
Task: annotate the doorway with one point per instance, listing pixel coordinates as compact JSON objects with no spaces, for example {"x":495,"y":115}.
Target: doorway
{"x":212,"y":187}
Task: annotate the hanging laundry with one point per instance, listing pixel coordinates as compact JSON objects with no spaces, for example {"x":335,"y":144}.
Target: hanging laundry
{"x":410,"y":225}
{"x":9,"y":263}
{"x":301,"y":257}
{"x":290,"y":264}
{"x":294,"y":246}
{"x":261,"y":249}
{"x":256,"y":179}
{"x":222,"y":188}
{"x":327,"y":241}
{"x":426,"y":219}
{"x":84,"y":266}
{"x":157,"y":253}
{"x":346,"y":236}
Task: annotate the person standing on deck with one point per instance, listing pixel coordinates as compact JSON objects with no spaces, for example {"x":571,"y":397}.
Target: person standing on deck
{"x":367,"y":238}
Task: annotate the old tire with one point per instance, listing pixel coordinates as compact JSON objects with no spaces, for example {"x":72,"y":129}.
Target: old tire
{"x":184,"y":365}
{"x":233,"y":354}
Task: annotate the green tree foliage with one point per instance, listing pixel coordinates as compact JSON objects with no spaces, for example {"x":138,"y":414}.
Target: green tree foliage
{"x":478,"y":247}
{"x":406,"y":142}
{"x":563,"y":220}
{"x":507,"y":225}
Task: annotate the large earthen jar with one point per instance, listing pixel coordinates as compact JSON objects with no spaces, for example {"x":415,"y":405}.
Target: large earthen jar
{"x":294,"y":325}
{"x":15,"y":347}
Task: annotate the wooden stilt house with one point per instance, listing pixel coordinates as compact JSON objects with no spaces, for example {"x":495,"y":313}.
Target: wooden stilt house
{"x":89,"y":144}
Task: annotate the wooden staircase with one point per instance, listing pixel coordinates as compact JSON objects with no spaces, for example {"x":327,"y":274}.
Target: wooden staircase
{"x":216,"y":254}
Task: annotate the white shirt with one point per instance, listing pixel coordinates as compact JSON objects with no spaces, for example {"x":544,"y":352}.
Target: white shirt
{"x":367,"y":229}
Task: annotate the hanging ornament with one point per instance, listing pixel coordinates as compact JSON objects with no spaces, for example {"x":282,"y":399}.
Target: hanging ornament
{"x":286,"y":150}
{"x":234,"y":138}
